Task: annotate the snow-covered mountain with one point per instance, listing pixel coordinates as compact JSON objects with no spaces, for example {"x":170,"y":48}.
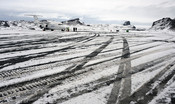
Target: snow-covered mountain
{"x":29,"y":25}
{"x":4,"y":24}
{"x":164,"y":23}
{"x":22,"y":24}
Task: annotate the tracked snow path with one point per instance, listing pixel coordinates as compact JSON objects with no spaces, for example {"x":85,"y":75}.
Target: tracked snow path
{"x":122,"y":88}
{"x":56,"y":67}
{"x":49,"y":79}
{"x":80,"y":66}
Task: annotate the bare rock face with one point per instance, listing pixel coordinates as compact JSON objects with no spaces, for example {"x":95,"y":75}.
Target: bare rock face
{"x":126,"y":23}
{"x":4,"y":24}
{"x":164,"y":23}
{"x":73,"y":22}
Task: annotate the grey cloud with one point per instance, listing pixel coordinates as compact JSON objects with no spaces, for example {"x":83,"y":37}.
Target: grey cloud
{"x":152,"y":12}
{"x":10,"y":11}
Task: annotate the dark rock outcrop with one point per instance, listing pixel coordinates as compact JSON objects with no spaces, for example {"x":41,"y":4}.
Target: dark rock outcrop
{"x":4,"y":24}
{"x":126,"y":23}
{"x":72,"y":22}
{"x":164,"y":23}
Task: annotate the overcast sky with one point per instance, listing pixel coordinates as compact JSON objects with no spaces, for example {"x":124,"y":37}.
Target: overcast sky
{"x":90,"y":11}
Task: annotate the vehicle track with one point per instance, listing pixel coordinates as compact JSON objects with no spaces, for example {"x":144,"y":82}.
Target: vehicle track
{"x":168,"y":94}
{"x":5,"y":75}
{"x":122,"y":88}
{"x":47,"y":81}
{"x":132,"y":53}
{"x":40,"y":41}
{"x":16,"y":72}
{"x":29,"y":91}
{"x":94,"y":85}
{"x":17,"y":59}
{"x":147,"y":92}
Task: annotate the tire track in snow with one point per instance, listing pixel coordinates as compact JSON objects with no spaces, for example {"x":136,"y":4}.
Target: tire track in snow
{"x":74,"y":68}
{"x":122,"y":88}
{"x":22,"y":58}
{"x":147,"y":91}
{"x":102,"y":82}
{"x":39,"y":41}
{"x":18,"y":71}
{"x":49,"y":81}
{"x":109,"y":80}
{"x":93,"y":54}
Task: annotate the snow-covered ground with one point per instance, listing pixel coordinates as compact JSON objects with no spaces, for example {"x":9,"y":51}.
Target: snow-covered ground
{"x":82,"y":67}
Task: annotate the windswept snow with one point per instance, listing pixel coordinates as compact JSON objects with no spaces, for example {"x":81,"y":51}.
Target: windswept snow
{"x":81,"y":67}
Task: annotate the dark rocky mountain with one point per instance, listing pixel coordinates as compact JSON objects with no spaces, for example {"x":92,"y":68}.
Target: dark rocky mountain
{"x":4,"y":23}
{"x":126,"y":23}
{"x":73,"y":22}
{"x":164,"y":23}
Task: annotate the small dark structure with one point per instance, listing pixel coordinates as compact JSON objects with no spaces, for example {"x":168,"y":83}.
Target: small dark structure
{"x":72,"y":22}
{"x":126,"y":23}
